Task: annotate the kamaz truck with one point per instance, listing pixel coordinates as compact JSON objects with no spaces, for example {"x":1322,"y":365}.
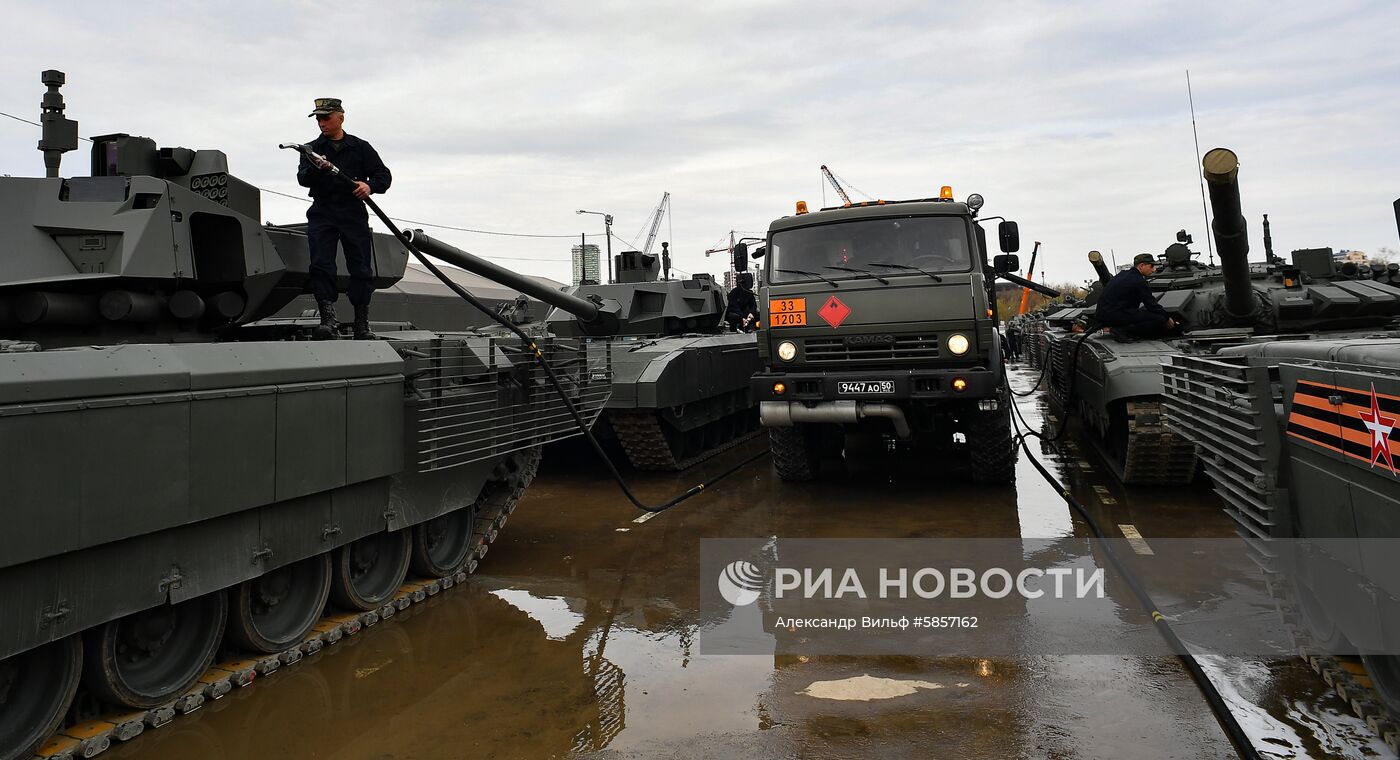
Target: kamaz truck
{"x":880,"y":317}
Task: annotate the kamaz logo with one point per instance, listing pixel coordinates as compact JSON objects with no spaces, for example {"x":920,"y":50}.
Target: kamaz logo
{"x":870,"y":340}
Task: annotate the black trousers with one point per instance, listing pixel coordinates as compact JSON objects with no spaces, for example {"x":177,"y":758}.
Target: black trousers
{"x":346,"y":225}
{"x":1137,"y":324}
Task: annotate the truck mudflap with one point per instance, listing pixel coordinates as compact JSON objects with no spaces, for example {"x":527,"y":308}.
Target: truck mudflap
{"x":876,"y":385}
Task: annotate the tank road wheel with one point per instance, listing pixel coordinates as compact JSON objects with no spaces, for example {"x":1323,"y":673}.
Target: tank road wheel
{"x":36,"y":688}
{"x":440,"y":545}
{"x":794,"y":455}
{"x":151,"y":657}
{"x":990,"y":445}
{"x":369,"y":571}
{"x":1385,"y":675}
{"x":279,"y":608}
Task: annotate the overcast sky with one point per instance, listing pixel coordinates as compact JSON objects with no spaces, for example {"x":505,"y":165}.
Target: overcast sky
{"x":1069,"y":118}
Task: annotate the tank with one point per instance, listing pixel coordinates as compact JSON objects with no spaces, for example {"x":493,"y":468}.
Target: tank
{"x":680,"y":378}
{"x":1117,"y":388}
{"x":1297,"y":440}
{"x":191,"y":489}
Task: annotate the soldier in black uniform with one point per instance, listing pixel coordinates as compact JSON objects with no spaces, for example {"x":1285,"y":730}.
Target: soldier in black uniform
{"x":338,"y":215}
{"x":1128,"y":306}
{"x":742,"y":312}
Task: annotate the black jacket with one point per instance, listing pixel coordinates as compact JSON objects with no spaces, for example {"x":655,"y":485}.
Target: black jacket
{"x":1126,"y":292}
{"x":356,"y":159}
{"x":742,"y":303}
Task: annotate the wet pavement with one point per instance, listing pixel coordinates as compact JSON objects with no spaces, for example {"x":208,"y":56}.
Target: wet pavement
{"x":578,"y":637}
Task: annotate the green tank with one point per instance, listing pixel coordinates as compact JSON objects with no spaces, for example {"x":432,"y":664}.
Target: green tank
{"x":1117,"y":383}
{"x":680,"y":379}
{"x":1298,"y":440}
{"x":186,"y":483}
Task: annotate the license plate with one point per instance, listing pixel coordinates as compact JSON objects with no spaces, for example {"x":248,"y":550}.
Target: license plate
{"x":787,"y":312}
{"x":863,"y":387}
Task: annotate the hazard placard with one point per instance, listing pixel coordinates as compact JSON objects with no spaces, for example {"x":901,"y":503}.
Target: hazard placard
{"x":787,"y":312}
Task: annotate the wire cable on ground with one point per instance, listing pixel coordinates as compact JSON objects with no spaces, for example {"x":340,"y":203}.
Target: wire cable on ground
{"x":1233,"y":730}
{"x":407,"y":242}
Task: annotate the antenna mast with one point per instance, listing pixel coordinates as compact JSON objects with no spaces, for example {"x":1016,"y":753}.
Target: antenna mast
{"x":1200,"y":172}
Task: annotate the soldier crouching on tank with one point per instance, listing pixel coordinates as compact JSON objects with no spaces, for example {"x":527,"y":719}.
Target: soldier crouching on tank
{"x":338,"y":215}
{"x":1128,"y":306}
{"x":742,"y":312}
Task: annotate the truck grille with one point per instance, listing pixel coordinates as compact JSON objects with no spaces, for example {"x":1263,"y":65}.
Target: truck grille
{"x":1227,"y":408}
{"x":836,"y":351}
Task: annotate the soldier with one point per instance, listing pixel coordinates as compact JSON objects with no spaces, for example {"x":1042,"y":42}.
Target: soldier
{"x":1127,"y":303}
{"x":742,"y":312}
{"x":1013,"y":340}
{"x":338,"y":215}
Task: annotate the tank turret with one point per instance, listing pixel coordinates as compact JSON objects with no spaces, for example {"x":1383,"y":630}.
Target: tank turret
{"x":156,"y":243}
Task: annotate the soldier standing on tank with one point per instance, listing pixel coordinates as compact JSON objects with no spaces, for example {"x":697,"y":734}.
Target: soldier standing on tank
{"x":338,"y":215}
{"x":742,"y":312}
{"x":1128,"y":306}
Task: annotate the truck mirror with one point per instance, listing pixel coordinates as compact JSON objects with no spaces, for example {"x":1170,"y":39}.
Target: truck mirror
{"x":759,"y":252}
{"x":1010,"y":236}
{"x":741,"y":257}
{"x":1007,"y":262}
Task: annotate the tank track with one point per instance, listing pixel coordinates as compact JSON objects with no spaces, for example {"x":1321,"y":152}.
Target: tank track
{"x":1345,"y":674}
{"x":647,"y":447}
{"x":93,"y":736}
{"x":1155,"y":455}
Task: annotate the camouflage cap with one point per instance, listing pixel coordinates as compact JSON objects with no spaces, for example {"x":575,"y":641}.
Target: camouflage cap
{"x":1144,"y":258}
{"x":326,"y":106}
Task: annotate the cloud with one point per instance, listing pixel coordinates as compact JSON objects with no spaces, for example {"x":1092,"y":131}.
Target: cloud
{"x":1071,"y":119}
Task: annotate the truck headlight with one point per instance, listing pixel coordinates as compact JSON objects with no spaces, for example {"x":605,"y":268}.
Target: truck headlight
{"x":787,"y":351}
{"x":957,"y":343}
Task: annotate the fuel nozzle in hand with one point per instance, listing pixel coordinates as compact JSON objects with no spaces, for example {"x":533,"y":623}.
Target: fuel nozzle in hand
{"x":317,"y":160}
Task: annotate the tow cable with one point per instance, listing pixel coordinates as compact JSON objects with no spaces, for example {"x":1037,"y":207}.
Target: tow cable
{"x":1233,"y":731}
{"x":404,"y":240}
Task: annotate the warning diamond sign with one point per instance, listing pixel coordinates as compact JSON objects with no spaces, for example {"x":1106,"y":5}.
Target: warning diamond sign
{"x":834,"y":311}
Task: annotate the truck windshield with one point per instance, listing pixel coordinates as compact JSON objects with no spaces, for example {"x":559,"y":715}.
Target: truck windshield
{"x":927,"y":243}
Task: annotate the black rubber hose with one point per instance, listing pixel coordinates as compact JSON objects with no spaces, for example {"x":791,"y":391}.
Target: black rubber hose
{"x":1233,"y":730}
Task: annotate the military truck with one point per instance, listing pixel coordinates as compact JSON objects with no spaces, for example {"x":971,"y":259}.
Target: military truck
{"x":881,"y":316}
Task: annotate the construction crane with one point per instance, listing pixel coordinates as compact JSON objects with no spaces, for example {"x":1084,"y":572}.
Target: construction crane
{"x":841,"y":191}
{"x":656,"y":215}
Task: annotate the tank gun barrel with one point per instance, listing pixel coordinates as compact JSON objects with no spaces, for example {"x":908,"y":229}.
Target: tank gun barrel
{"x":585,"y":310}
{"x":1221,"y":167}
{"x":1096,"y":259}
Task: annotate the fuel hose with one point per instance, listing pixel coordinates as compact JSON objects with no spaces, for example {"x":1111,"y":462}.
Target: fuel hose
{"x":529,"y":342}
{"x":1233,"y":730}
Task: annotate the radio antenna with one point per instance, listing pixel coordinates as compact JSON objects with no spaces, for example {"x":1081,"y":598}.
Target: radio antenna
{"x":1200,"y":172}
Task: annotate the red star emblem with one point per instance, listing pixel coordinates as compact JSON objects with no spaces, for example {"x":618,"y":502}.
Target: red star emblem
{"x":834,"y":311}
{"x":1380,"y":427}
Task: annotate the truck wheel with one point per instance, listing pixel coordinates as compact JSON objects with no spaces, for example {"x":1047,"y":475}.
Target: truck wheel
{"x":794,"y":455}
{"x":990,"y":445}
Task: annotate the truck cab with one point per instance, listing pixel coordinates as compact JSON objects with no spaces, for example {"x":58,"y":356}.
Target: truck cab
{"x":881,"y":317}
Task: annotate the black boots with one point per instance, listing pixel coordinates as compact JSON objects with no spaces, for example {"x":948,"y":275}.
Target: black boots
{"x":329,"y":328}
{"x":362,"y":324}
